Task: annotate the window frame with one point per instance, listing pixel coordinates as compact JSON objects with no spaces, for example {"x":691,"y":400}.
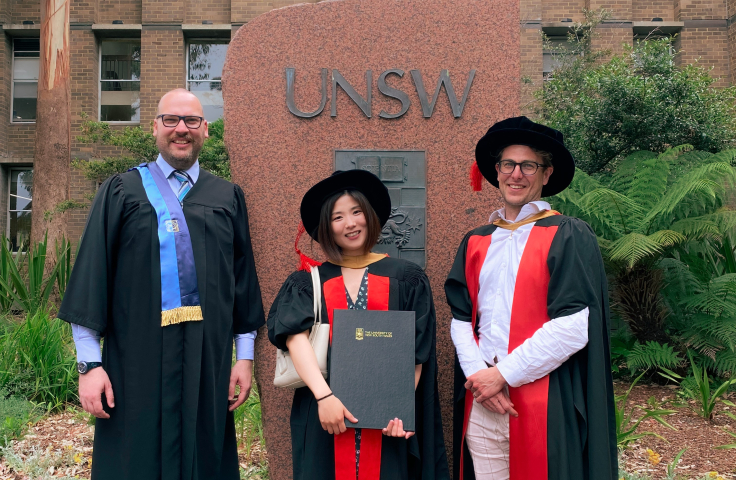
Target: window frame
{"x":10,"y":170}
{"x":100,"y":80}
{"x":200,"y":40}
{"x":13,"y":80}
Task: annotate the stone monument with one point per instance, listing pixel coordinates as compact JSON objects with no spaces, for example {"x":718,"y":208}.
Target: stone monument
{"x":403,"y":88}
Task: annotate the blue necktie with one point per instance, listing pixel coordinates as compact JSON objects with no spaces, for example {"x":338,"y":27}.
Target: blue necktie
{"x":186,"y":184}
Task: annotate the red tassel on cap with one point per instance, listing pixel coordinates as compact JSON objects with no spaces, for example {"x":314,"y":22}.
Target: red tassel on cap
{"x":305,"y":262}
{"x":476,"y":178}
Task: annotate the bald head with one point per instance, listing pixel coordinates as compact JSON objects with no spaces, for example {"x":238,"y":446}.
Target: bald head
{"x":180,"y":145}
{"x":178,"y":96}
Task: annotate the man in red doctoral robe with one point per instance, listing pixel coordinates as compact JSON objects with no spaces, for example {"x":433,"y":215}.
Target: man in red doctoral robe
{"x":528,"y":295}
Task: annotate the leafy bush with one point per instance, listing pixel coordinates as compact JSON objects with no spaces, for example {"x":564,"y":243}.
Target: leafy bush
{"x":627,"y":426}
{"x":705,"y":398}
{"x":652,"y":355}
{"x":652,"y":207}
{"x":23,"y":280}
{"x":140,"y":146}
{"x":638,"y":100}
{"x":15,"y":415}
{"x":37,"y":361}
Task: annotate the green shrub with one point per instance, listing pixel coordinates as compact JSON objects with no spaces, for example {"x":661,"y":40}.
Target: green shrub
{"x":699,"y":388}
{"x":24,"y":282}
{"x":627,"y":426}
{"x":15,"y":415}
{"x":37,"y":361}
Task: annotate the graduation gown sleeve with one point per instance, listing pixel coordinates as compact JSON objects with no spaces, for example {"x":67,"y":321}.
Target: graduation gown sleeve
{"x":582,"y":432}
{"x":456,"y":286}
{"x":248,"y":306}
{"x":292,"y":310}
{"x":416,"y":295}
{"x":86,"y":301}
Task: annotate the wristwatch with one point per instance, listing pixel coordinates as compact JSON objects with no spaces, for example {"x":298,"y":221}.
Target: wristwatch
{"x":84,"y":367}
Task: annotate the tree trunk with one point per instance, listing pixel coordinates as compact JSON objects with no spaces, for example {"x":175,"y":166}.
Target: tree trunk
{"x":52,"y":158}
{"x":638,"y":299}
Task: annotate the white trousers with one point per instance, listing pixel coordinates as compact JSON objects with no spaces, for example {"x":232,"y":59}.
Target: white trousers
{"x":487,"y":437}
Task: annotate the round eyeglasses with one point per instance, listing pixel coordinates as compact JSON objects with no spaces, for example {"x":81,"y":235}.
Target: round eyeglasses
{"x":171,"y":121}
{"x":528,"y":167}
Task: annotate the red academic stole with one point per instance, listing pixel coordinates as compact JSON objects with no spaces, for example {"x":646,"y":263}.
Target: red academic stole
{"x":370,"y":440}
{"x":528,"y":432}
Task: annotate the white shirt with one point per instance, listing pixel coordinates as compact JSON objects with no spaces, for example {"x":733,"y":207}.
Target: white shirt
{"x":87,"y":341}
{"x":543,"y":352}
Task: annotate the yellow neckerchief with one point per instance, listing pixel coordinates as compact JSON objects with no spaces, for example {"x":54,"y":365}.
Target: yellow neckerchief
{"x":360,"y":261}
{"x":501,"y":223}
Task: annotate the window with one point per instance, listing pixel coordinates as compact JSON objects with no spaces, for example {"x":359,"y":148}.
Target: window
{"x":204,"y":75}
{"x":120,"y":81}
{"x":552,"y":55}
{"x":26,"y":61}
{"x":19,"y":207}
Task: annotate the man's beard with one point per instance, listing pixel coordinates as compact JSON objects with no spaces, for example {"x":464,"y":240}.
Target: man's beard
{"x":179,"y":163}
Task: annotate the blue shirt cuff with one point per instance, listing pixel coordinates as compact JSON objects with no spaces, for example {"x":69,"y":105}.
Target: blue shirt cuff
{"x":245,"y":345}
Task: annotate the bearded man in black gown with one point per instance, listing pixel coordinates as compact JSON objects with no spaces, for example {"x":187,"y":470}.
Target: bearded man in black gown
{"x":165,"y":273}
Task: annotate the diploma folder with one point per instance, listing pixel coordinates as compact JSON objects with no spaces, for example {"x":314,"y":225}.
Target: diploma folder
{"x":372,"y":366}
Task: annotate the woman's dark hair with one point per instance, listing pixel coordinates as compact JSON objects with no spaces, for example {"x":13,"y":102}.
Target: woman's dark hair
{"x":326,"y":238}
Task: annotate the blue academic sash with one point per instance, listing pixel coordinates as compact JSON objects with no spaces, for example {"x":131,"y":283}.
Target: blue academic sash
{"x":179,"y":292}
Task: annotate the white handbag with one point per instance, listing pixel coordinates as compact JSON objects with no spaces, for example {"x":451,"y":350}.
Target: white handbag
{"x":319,"y":338}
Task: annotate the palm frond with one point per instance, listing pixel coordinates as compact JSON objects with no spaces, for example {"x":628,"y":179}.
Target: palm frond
{"x":679,"y":277}
{"x":726,"y":156}
{"x":613,"y":209}
{"x":718,"y":298}
{"x":724,"y":363}
{"x":696,"y":193}
{"x":650,"y":182}
{"x":709,"y":332}
{"x":697,"y":228}
{"x":633,"y":248}
{"x":626,"y":169}
{"x":668,"y":238}
{"x":652,"y":355}
{"x":724,"y":218}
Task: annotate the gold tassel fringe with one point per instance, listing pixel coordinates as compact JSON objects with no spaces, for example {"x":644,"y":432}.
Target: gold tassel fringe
{"x":181,"y":314}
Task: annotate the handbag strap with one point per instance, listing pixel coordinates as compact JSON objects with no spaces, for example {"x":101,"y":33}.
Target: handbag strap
{"x":317,"y":295}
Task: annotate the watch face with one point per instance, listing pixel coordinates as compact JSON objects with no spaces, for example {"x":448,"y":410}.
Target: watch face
{"x":82,"y":367}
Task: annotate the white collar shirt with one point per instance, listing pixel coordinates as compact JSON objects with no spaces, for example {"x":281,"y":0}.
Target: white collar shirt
{"x":547,"y":349}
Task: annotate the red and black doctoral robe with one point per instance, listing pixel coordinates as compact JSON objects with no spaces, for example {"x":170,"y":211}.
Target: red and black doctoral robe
{"x":566,"y":424}
{"x":393,"y":284}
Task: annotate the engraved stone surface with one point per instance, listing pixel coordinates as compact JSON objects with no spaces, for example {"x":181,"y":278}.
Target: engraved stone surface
{"x":277,"y":155}
{"x":404,"y":235}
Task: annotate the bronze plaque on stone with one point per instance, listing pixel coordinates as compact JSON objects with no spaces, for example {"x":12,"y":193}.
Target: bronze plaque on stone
{"x":405,"y":175}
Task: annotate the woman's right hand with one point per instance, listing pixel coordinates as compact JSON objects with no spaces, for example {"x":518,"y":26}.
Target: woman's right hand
{"x":332,"y":414}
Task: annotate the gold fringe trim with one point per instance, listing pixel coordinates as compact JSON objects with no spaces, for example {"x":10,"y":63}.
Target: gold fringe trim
{"x":499,"y":222}
{"x":181,"y":314}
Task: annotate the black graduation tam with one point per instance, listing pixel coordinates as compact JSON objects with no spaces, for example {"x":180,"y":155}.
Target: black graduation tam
{"x":361,"y":180}
{"x":522,"y":131}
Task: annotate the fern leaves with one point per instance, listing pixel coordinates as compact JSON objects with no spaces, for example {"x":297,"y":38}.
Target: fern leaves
{"x":653,"y":355}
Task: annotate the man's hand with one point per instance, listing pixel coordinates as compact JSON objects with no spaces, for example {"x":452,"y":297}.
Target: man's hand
{"x":91,"y":387}
{"x":485,"y":383}
{"x":501,"y":404}
{"x":241,"y":374}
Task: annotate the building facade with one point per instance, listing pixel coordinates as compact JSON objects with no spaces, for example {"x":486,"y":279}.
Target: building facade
{"x":126,"y":53}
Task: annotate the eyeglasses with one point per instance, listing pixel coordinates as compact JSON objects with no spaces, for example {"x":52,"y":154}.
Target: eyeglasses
{"x":171,"y":121}
{"x":528,"y":167}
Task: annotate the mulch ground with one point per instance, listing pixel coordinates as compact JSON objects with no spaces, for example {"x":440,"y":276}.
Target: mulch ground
{"x":696,"y":434}
{"x":62,"y":444}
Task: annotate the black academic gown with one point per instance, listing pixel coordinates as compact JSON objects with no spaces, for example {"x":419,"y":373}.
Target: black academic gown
{"x":423,"y":456}
{"x":170,"y":420}
{"x":581,"y":432}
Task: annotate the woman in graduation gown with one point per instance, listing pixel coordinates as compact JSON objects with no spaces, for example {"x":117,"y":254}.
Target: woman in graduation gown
{"x":345,"y":213}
